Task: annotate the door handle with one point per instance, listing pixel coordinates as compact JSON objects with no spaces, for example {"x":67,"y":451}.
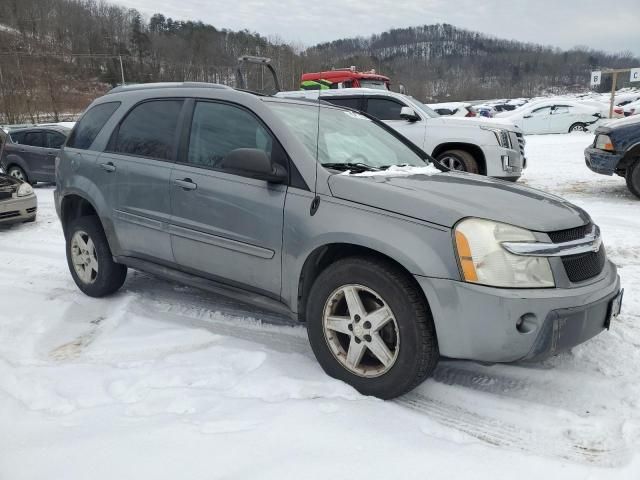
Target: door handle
{"x":186,"y":184}
{"x":108,"y":167}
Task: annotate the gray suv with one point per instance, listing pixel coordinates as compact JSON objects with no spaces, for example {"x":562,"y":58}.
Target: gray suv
{"x":334,"y":218}
{"x":29,"y":154}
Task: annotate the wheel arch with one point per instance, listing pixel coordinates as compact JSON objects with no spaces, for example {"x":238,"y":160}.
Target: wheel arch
{"x":16,"y":160}
{"x":325,"y":255}
{"x":74,"y":205}
{"x":470,"y":148}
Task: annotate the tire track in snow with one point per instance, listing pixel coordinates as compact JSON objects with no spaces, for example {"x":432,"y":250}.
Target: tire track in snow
{"x":603,"y":447}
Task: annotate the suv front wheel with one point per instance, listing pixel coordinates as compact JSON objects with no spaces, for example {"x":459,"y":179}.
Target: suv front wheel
{"x":89,"y":258}
{"x":459,"y":160}
{"x":369,"y":325}
{"x":633,"y":178}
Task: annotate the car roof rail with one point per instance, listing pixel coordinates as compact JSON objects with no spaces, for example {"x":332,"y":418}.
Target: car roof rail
{"x":152,"y":86}
{"x":252,"y":60}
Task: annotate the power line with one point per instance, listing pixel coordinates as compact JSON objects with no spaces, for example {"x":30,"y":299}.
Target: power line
{"x":97,"y":55}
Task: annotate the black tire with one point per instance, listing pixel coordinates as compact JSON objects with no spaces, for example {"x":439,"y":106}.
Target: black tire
{"x":464,"y":159}
{"x":18,"y":172}
{"x":110,"y":275}
{"x":418,"y":352}
{"x":633,"y":178}
{"x":578,"y":127}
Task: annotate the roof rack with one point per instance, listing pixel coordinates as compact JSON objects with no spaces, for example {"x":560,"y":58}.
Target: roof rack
{"x":150,"y":86}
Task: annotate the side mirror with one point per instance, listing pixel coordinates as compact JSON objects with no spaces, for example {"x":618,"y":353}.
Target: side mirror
{"x":254,"y":163}
{"x":409,"y":114}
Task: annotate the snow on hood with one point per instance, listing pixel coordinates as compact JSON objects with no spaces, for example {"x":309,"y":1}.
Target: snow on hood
{"x":397,"y":171}
{"x":620,"y":122}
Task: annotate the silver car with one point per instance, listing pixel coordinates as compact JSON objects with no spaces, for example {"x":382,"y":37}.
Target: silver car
{"x":335,"y":219}
{"x":18,"y":202}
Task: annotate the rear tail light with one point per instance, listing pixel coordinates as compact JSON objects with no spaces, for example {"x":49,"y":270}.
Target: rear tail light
{"x":470,"y":113}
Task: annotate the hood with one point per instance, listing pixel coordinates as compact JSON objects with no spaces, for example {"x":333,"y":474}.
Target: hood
{"x":479,"y":122}
{"x":446,"y":198}
{"x":7,"y":181}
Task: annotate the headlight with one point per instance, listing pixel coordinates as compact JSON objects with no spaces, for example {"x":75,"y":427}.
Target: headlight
{"x":483,"y":260}
{"x":24,"y":189}
{"x":502,"y":136}
{"x":603,"y":142}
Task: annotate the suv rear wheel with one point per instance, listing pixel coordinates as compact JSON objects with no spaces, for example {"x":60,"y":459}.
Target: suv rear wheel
{"x":89,"y":258}
{"x":369,"y":325}
{"x":633,"y":178}
{"x":459,"y":160}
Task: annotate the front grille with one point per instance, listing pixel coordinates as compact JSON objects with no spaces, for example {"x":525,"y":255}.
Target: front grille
{"x":32,"y":209}
{"x":521,"y":143}
{"x":583,"y":266}
{"x":11,"y":214}
{"x":4,"y":194}
{"x":577,"y":233}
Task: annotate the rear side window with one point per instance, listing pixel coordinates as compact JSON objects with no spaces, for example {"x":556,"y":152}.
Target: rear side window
{"x":344,"y":102}
{"x":54,"y":139}
{"x":34,"y":139}
{"x":149,"y":130}
{"x":90,"y":125}
{"x":384,"y":109}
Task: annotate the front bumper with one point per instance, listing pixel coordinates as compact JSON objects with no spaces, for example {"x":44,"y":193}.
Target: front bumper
{"x":19,"y":209}
{"x":503,"y":162}
{"x":601,"y":161}
{"x":479,"y":323}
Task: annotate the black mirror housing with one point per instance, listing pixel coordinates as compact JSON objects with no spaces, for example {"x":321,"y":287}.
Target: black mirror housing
{"x":254,"y":163}
{"x":409,"y":114}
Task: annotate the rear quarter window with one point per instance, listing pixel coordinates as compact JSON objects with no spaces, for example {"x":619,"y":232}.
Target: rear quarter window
{"x":89,"y":126}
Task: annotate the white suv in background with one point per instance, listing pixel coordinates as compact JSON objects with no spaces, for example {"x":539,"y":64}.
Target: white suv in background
{"x":483,"y":146}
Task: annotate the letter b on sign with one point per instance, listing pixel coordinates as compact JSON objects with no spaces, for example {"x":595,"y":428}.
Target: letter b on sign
{"x":595,"y":78}
{"x":635,"y":75}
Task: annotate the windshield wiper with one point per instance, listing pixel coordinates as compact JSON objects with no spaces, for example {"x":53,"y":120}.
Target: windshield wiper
{"x":357,"y":167}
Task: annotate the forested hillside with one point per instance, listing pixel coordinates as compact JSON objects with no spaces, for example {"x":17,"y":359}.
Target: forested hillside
{"x":56,"y":55}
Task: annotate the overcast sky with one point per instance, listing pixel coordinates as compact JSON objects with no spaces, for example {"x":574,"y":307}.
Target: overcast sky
{"x":612,"y":26}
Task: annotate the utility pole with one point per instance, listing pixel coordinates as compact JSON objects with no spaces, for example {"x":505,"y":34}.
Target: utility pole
{"x":121,"y":68}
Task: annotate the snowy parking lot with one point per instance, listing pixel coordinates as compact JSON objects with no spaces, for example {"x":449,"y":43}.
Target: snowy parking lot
{"x":165,"y":381}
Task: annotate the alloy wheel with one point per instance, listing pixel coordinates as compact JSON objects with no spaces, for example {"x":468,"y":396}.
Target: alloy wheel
{"x":361,"y":331}
{"x":84,"y":257}
{"x":17,"y":173}
{"x":453,"y":163}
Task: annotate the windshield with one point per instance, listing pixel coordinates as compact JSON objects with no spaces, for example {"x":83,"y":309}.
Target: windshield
{"x":344,"y":137}
{"x":377,"y":84}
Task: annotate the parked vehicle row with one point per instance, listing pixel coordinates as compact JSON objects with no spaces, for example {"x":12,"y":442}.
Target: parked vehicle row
{"x":494,"y":149}
{"x":324,"y":213}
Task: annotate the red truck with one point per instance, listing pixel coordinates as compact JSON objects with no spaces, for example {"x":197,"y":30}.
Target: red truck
{"x":343,"y":78}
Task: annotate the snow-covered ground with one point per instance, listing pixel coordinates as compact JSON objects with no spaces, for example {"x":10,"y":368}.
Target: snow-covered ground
{"x":167,"y":382}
